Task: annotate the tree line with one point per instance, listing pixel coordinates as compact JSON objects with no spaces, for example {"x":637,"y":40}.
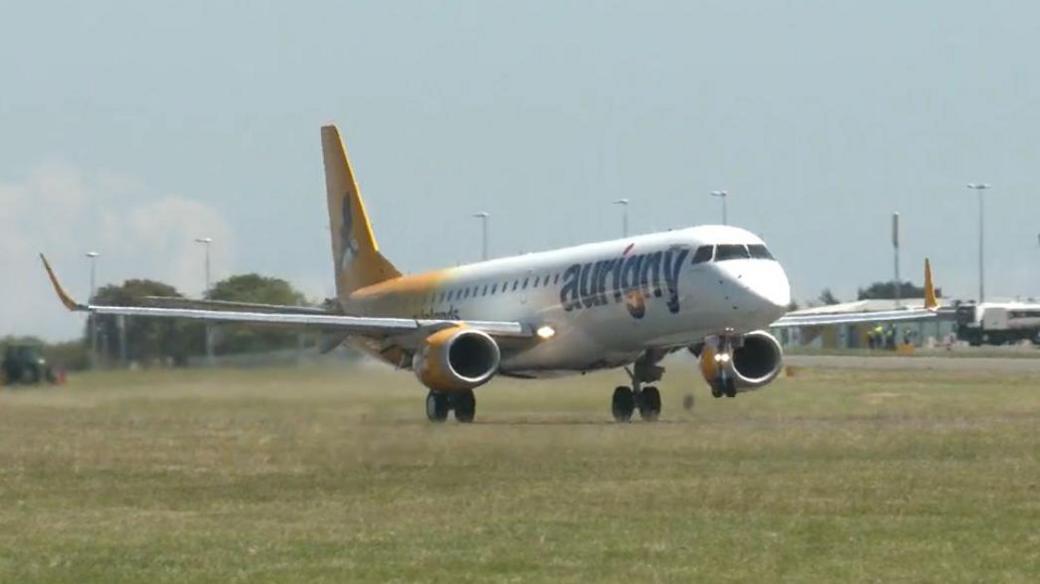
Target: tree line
{"x":154,"y":341}
{"x":165,"y":342}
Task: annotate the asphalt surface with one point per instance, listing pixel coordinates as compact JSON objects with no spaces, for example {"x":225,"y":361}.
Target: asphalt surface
{"x":1002,"y":364}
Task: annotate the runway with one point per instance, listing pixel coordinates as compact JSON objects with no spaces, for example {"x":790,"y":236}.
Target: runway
{"x":952,"y":363}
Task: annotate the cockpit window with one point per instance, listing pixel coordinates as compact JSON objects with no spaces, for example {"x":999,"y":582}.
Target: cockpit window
{"x":703,"y":254}
{"x":759,"y":251}
{"x":731,"y":252}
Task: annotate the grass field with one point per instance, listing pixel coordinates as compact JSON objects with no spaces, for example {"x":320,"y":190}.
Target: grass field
{"x":335,"y":476}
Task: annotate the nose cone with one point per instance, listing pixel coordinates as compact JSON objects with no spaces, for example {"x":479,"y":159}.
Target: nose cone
{"x":764,"y":291}
{"x":769,"y":283}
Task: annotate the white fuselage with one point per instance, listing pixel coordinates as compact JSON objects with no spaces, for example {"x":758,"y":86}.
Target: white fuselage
{"x":606,"y":302}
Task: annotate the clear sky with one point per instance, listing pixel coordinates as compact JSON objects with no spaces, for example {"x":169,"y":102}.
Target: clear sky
{"x":131,"y":128}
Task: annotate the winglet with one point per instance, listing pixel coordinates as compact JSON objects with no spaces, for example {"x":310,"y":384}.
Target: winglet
{"x":930,"y":301}
{"x":62,"y":294}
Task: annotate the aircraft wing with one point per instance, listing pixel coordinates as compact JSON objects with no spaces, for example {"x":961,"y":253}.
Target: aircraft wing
{"x":930,"y":311}
{"x":909,"y":314}
{"x":329,"y":323}
{"x":226,"y":305}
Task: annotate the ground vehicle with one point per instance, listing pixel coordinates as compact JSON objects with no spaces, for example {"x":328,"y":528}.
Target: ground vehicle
{"x":998,"y":323}
{"x":24,"y":363}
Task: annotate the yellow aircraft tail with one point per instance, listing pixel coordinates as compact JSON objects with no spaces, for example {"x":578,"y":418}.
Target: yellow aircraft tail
{"x":355,"y":253}
{"x":931,"y":302}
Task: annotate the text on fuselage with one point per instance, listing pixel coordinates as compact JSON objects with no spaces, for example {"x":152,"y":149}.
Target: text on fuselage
{"x":630,"y":277}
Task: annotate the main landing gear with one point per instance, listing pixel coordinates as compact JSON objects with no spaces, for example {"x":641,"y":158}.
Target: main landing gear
{"x":439,"y":403}
{"x":626,"y":401}
{"x":647,"y":399}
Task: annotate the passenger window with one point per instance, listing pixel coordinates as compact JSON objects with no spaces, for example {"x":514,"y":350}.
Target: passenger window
{"x":731,"y":252}
{"x":525,"y":283}
{"x":759,"y":251}
{"x":450,"y":294}
{"x":494,"y":287}
{"x":484,"y":293}
{"x":515,"y":284}
{"x":703,"y":254}
{"x":556,"y":278}
{"x":535,"y":285}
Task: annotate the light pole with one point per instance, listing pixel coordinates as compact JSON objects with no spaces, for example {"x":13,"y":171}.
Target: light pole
{"x":92,"y":256}
{"x":895,"y":254}
{"x":722,"y":195}
{"x":483,"y":216}
{"x":980,"y":188}
{"x":205,"y":242}
{"x":624,"y":215}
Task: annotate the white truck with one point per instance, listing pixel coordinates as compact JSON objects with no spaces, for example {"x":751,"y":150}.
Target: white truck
{"x":998,"y":323}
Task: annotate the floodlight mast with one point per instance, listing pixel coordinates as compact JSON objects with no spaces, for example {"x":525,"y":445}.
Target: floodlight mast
{"x":92,"y":256}
{"x":624,"y":215}
{"x":980,"y":188}
{"x":484,"y":216}
{"x":897,"y":291}
{"x":206,"y":242}
{"x":722,"y":195}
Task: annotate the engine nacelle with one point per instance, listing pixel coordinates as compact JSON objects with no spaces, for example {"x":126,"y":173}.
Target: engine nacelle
{"x":456,"y":359}
{"x":748,"y":363}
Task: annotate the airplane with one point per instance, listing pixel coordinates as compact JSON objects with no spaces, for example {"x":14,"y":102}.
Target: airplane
{"x":626,"y":303}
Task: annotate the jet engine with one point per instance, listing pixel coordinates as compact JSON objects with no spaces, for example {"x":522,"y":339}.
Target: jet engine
{"x":456,"y":359}
{"x":736,"y":364}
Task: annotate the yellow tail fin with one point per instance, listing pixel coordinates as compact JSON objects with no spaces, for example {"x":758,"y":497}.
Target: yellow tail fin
{"x":355,"y":253}
{"x":931,"y":302}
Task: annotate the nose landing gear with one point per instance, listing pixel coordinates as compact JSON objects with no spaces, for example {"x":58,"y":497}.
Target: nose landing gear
{"x":724,"y":387}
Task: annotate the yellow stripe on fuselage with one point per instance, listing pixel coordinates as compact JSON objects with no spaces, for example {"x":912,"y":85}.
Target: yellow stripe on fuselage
{"x":396,"y":297}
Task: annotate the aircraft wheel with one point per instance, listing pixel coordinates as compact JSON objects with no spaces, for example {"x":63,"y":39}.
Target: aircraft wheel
{"x":436,"y":406}
{"x":650,"y":404}
{"x":623,"y":403}
{"x":730,"y":388}
{"x":716,"y":390}
{"x":465,"y":407}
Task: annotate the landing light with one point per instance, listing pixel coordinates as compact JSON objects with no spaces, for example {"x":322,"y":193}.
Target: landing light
{"x":545,"y":332}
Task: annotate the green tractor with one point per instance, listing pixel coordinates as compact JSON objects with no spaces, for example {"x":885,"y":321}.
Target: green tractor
{"x":25,"y":364}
